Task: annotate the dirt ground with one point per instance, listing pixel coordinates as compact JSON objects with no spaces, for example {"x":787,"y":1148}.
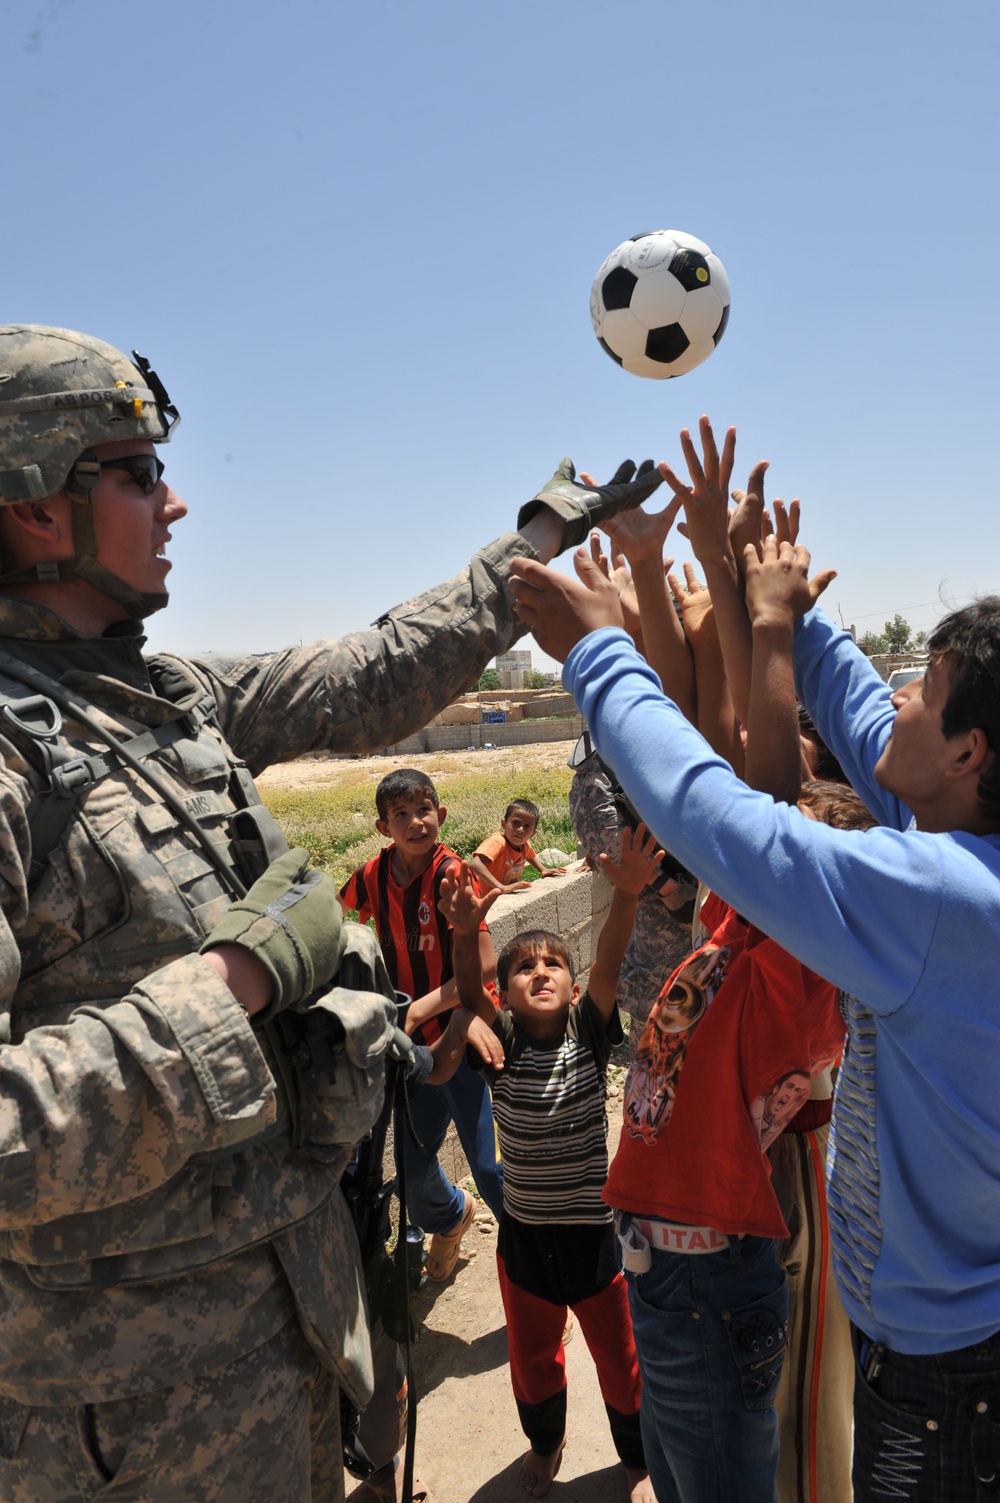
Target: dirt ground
{"x":337,"y":772}
{"x":469,"y":1441}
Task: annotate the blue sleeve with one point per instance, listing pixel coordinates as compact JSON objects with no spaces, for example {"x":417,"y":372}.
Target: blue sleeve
{"x":858,"y":907}
{"x":850,"y":706}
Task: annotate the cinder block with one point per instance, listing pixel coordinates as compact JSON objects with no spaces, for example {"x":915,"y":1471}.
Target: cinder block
{"x":502,"y":924}
{"x":540,"y":913}
{"x":574,"y":898}
{"x":601,"y":893}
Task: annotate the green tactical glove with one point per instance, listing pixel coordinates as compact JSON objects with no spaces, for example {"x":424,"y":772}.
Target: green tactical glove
{"x":290,"y":920}
{"x":582,"y":508}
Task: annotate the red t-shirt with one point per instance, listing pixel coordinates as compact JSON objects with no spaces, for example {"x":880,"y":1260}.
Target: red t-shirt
{"x":413,"y":933}
{"x":723,"y":1066}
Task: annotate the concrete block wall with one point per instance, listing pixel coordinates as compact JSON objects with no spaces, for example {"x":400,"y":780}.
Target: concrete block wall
{"x":573,"y":906}
{"x":435,"y":738}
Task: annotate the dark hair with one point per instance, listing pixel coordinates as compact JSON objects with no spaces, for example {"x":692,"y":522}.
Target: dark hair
{"x":404,"y":783}
{"x":526,"y":805}
{"x":969,"y":642}
{"x":837,"y":805}
{"x":827,"y":768}
{"x":531,"y":942}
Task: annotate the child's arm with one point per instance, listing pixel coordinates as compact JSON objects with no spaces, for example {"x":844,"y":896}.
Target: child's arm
{"x":487,"y":879}
{"x":778,"y":592}
{"x":465,"y":910}
{"x":706,"y":507}
{"x":641,"y":536}
{"x":616,"y":570}
{"x":449,"y":1050}
{"x":716,"y":716}
{"x":634,"y":869}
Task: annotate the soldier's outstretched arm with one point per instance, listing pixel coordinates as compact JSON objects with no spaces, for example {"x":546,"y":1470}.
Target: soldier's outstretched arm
{"x":375,"y":687}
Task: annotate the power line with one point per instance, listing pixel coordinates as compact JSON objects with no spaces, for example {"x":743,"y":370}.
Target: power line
{"x":898,"y":609}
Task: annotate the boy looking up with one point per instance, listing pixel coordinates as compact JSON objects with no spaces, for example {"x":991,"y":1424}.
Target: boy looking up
{"x":500,"y":859}
{"x":400,"y":889}
{"x":556,"y":1245}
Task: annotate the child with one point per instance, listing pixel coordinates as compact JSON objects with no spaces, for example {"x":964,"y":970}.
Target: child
{"x":400,"y":888}
{"x":501,"y":858}
{"x":556,"y":1244}
{"x":691,"y":1174}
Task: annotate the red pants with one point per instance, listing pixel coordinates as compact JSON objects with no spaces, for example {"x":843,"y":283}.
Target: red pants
{"x":575,"y":1266}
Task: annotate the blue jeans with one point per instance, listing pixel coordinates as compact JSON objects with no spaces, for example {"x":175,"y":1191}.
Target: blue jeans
{"x":710,"y":1330}
{"x":432,"y":1202}
{"x":927,"y":1429}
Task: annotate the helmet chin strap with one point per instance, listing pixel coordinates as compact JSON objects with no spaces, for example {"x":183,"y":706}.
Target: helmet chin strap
{"x":84,"y":564}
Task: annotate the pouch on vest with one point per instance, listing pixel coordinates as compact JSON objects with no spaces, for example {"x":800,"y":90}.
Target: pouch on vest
{"x":338,"y":1049}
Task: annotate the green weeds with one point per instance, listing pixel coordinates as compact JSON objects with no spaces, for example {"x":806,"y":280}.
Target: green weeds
{"x":337,"y":825}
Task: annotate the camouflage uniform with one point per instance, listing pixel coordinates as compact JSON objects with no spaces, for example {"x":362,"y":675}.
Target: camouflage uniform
{"x":156,"y":1227}
{"x":659,"y":942}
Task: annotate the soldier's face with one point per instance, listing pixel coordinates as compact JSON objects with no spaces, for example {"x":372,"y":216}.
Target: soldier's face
{"x":132,"y":528}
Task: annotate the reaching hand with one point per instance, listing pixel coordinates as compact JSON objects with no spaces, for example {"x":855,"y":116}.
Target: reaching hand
{"x":697,"y":615}
{"x":641,"y":534}
{"x":746,"y":524}
{"x":557,"y":610}
{"x":779,"y":589}
{"x":470,"y":1028}
{"x":706,"y":499}
{"x":460,"y":902}
{"x":786,"y":520}
{"x":638,"y":860}
{"x":617,"y":571}
{"x":582,"y":506}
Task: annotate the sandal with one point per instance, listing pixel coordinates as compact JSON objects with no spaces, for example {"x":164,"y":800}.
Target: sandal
{"x":444,"y":1247}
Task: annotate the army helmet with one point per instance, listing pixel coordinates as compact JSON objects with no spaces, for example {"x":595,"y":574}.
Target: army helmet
{"x":60,"y":394}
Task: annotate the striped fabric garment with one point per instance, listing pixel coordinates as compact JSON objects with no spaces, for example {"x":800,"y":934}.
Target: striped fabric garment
{"x":413,"y":933}
{"x":549,"y":1108}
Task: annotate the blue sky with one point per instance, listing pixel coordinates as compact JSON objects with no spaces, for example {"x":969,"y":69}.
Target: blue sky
{"x":357,"y":243}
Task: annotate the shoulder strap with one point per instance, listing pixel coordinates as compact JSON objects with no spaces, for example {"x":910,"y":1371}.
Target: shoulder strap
{"x":69,"y":774}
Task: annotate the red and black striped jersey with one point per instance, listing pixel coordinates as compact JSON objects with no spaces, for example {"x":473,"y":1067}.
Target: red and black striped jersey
{"x":414,"y":934}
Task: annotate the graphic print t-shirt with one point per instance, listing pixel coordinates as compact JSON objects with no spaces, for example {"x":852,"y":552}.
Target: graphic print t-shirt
{"x":505,"y":861}
{"x":413,"y":933}
{"x":724,"y":1064}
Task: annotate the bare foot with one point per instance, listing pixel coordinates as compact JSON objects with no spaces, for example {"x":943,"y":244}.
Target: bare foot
{"x":537,"y":1472}
{"x":640,"y":1489}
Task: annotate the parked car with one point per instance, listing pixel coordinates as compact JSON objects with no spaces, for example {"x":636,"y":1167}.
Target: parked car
{"x":900,"y":676}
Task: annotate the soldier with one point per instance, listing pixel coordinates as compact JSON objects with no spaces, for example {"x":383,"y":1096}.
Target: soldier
{"x":178,"y":1276}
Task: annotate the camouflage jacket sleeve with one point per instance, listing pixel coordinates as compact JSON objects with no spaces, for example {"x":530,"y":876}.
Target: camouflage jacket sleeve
{"x":377,"y":686}
{"x":112,"y":1103}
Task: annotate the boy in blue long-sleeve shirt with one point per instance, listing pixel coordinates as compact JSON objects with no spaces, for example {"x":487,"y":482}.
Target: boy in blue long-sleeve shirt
{"x":905,"y":919}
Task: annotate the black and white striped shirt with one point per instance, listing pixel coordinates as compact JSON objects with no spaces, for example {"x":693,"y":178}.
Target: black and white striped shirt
{"x":549,"y":1108}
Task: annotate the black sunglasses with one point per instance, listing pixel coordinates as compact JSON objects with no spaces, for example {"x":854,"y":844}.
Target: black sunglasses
{"x":145,"y":469}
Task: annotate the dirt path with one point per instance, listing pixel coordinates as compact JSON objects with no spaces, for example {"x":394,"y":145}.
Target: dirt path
{"x":338,"y":772}
{"x":469,"y":1441}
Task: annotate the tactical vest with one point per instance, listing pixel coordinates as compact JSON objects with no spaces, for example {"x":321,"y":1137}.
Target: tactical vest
{"x":121,"y":885}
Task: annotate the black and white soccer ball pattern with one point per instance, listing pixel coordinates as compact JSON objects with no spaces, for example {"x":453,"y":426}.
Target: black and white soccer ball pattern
{"x":660,"y":303}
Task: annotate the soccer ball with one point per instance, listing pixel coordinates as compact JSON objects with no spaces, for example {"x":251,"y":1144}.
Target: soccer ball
{"x":660,"y":303}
